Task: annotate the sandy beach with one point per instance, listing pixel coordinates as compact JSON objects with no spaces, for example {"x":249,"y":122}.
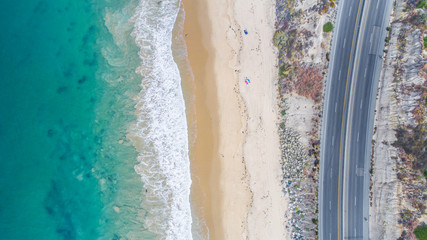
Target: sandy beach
{"x":236,"y":156}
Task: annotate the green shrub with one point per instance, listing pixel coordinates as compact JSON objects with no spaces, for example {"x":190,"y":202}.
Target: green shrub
{"x":425,"y":42}
{"x":422,"y":4}
{"x":280,"y":39}
{"x":285,"y":69}
{"x":421,"y":232}
{"x":314,"y":220}
{"x":283,"y":112}
{"x":328,"y":27}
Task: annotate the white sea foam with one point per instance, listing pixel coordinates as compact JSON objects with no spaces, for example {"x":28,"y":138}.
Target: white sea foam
{"x":160,"y":134}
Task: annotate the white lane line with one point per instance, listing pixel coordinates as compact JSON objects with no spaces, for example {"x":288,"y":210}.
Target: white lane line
{"x":357,"y":136}
{"x":354,"y":231}
{"x":366,"y":70}
{"x":330,"y":236}
{"x":355,"y":200}
{"x":330,"y":173}
{"x":339,"y":76}
{"x":336,"y":104}
{"x":372,"y":36}
{"x":330,"y":205}
{"x":361,"y":103}
{"x":378,"y":3}
{"x":343,"y":46}
{"x":333,"y":137}
{"x":349,"y":12}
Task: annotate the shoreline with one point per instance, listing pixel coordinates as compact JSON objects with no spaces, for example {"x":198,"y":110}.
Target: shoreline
{"x":220,"y":192}
{"x":205,"y":192}
{"x":236,"y":166}
{"x":200,"y":141}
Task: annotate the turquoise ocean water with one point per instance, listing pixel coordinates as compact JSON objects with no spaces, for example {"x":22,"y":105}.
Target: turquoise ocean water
{"x":67,"y":95}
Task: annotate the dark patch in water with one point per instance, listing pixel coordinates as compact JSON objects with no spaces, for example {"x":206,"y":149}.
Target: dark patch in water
{"x":41,"y":7}
{"x":55,"y":206}
{"x":89,"y":33}
{"x":50,"y":133}
{"x":61,"y":90}
{"x":49,"y":210}
{"x":92,"y":28}
{"x":63,"y":157}
{"x":82,"y":80}
{"x":91,"y":62}
{"x":112,"y":178}
{"x":66,"y":233}
{"x":71,"y":27}
{"x":68,"y":72}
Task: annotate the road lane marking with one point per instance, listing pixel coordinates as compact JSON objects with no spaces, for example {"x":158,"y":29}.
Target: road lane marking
{"x":330,"y":205}
{"x":336,"y":104}
{"x":349,"y":12}
{"x":355,"y":232}
{"x":357,"y":136}
{"x":355,"y":200}
{"x":366,"y":70}
{"x":343,"y":46}
{"x":361,"y":103}
{"x":342,"y":121}
{"x":378,"y":3}
{"x":339,"y":77}
{"x":330,"y":173}
{"x":333,"y":137}
{"x":330,"y":236}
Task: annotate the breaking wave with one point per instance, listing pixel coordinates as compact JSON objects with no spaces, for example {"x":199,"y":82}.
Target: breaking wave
{"x":160,"y":133}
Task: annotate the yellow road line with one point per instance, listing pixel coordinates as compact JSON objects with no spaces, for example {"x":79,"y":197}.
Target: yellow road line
{"x":342,"y":120}
{"x":357,"y":62}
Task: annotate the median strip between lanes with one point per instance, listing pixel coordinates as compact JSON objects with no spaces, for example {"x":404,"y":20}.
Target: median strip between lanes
{"x":342,"y":119}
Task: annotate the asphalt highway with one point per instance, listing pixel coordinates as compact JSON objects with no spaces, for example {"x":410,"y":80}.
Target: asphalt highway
{"x":348,"y":118}
{"x":334,"y":122}
{"x":360,"y":119}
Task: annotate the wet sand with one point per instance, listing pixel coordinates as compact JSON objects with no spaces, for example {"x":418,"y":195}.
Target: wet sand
{"x":235,"y":158}
{"x":205,"y":171}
